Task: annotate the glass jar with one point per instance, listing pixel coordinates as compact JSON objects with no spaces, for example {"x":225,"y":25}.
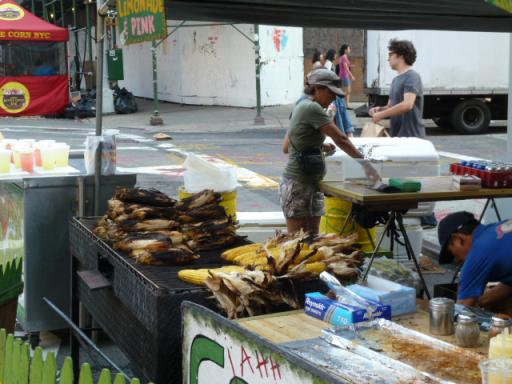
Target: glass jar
{"x":467,"y":331}
{"x":498,"y":325}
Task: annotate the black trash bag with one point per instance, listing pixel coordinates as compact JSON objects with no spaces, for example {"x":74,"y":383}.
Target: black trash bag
{"x":86,"y":108}
{"x":70,"y":112}
{"x":124,"y":101}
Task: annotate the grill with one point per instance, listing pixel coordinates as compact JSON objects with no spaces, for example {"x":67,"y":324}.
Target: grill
{"x":140,"y":311}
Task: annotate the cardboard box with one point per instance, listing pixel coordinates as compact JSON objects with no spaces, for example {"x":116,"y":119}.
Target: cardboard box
{"x":338,"y":314}
{"x":402,"y":299}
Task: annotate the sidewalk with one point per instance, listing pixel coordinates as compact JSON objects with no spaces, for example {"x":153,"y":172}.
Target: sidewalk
{"x":199,"y":118}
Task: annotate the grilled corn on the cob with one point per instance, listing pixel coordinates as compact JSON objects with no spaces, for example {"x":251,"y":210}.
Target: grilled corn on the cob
{"x":199,"y":276}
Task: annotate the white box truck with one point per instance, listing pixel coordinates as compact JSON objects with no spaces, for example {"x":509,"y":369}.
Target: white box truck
{"x":465,"y":75}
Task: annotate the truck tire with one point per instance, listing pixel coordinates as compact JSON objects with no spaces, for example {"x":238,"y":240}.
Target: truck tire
{"x":471,"y":117}
{"x":442,"y":122}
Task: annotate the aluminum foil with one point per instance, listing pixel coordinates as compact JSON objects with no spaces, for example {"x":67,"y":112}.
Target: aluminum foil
{"x":354,"y":368}
{"x":392,"y":345}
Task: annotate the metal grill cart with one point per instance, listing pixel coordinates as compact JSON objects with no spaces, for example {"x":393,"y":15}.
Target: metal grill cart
{"x":35,"y":212}
{"x":138,"y":306}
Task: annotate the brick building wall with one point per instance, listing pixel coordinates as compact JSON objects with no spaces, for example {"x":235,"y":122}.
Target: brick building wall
{"x":324,"y":39}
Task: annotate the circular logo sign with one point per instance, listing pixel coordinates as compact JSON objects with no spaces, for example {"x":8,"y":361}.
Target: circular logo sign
{"x":11,"y":12}
{"x":14,"y":97}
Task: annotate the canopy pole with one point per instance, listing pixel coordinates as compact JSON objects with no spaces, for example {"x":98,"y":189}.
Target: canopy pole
{"x":509,"y":110}
{"x":155,"y":119}
{"x":258,"y":119}
{"x":89,"y":37}
{"x":99,"y":102}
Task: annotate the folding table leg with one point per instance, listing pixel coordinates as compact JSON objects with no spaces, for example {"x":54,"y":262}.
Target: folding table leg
{"x":410,"y":251}
{"x":347,"y":220}
{"x":381,"y":238}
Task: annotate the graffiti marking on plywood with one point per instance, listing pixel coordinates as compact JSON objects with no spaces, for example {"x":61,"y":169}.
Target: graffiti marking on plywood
{"x":280,"y":38}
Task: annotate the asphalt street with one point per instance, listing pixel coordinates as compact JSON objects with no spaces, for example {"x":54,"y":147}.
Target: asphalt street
{"x":257,"y":150}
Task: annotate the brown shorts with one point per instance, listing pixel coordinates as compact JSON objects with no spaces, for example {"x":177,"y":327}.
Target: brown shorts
{"x":300,"y":200}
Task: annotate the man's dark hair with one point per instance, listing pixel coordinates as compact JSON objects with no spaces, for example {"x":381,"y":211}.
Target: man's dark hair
{"x":330,"y":55}
{"x":316,"y":56}
{"x":403,"y":48}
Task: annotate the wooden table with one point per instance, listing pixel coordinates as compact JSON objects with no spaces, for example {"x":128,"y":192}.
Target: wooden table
{"x":291,"y":326}
{"x":434,"y":188}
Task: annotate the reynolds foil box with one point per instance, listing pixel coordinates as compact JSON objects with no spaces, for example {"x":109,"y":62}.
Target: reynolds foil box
{"x":339,"y":314}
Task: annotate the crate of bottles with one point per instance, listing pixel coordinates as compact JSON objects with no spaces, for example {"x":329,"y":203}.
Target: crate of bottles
{"x":494,"y":174}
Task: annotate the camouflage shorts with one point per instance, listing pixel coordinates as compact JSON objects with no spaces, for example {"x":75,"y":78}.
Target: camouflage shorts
{"x":300,"y":200}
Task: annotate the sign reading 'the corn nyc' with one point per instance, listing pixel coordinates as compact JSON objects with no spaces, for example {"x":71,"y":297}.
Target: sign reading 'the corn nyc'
{"x":141,"y":20}
{"x":503,"y":4}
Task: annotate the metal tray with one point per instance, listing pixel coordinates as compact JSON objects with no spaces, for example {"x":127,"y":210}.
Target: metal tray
{"x":353,"y":368}
{"x":393,"y":345}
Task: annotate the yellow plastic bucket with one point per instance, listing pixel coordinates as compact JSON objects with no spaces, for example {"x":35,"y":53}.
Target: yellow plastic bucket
{"x":336,"y":211}
{"x":228,"y":200}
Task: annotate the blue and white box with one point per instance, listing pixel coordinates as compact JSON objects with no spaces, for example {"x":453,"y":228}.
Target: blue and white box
{"x":339,"y":314}
{"x":402,"y":299}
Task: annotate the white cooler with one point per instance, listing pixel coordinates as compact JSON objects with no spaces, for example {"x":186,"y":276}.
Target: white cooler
{"x":392,"y":157}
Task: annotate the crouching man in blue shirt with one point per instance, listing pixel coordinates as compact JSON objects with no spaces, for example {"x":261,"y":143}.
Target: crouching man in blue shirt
{"x":485,"y":250}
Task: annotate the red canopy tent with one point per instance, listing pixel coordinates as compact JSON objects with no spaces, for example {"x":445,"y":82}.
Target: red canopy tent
{"x":33,"y":74}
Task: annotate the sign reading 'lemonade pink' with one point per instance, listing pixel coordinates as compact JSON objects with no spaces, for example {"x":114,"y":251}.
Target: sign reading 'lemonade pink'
{"x":141,"y":20}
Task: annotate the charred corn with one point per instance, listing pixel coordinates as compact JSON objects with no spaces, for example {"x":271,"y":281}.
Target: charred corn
{"x":199,"y":276}
{"x":305,"y":253}
{"x":250,"y":258}
{"x":231,"y":254}
{"x":316,"y":267}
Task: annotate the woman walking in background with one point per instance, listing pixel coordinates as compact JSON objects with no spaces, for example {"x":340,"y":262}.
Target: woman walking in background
{"x":317,"y":60}
{"x":345,"y":73}
{"x":329,"y":59}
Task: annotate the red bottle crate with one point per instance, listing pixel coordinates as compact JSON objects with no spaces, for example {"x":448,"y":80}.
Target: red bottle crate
{"x":490,"y":179}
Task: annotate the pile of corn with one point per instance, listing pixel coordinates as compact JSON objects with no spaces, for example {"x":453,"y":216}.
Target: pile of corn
{"x":300,"y":257}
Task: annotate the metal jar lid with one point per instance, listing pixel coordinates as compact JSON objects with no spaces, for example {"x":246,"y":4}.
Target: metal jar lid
{"x":442,"y":303}
{"x":497,"y":321}
{"x":466,"y":319}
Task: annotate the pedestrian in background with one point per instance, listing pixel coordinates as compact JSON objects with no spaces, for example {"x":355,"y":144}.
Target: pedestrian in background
{"x":330,"y":57}
{"x":316,"y":61}
{"x":405,"y":105}
{"x":345,"y":72}
{"x":339,"y":112}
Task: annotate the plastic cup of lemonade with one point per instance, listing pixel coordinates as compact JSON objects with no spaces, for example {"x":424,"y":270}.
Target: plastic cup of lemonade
{"x":27,"y":159}
{"x":16,"y":159}
{"x":48,"y":158}
{"x":5,"y":160}
{"x":61,"y":154}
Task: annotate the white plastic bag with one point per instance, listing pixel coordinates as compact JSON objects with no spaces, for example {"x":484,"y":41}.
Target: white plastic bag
{"x":200,"y":174}
{"x":108,"y":153}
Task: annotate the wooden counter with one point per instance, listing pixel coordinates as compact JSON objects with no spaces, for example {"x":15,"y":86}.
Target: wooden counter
{"x":296,"y":325}
{"x":435,"y":188}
